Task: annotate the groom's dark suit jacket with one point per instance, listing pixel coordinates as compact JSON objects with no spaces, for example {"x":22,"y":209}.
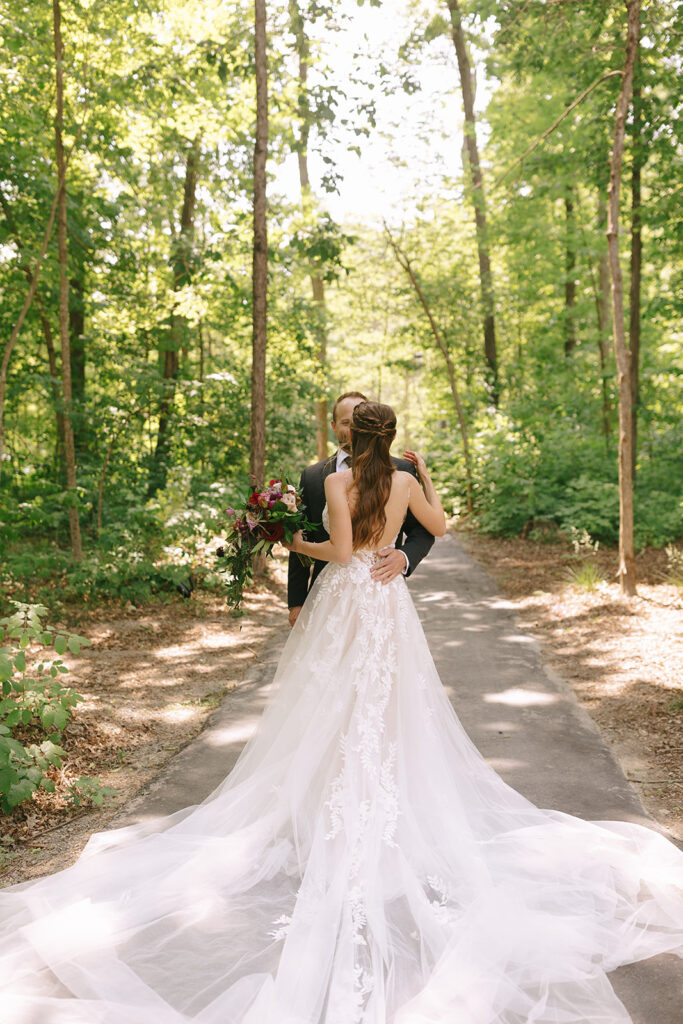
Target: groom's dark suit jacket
{"x":413,"y":538}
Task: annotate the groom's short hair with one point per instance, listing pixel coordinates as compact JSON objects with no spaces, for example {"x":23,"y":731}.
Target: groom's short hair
{"x":347,"y":394}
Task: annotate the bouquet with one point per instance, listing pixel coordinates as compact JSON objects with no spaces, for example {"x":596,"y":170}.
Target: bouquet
{"x":268,"y":516}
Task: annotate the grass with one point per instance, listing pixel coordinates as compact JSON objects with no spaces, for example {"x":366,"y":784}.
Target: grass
{"x":586,"y":575}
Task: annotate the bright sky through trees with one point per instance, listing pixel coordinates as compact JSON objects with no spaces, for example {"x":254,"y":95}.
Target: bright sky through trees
{"x":418,"y":139}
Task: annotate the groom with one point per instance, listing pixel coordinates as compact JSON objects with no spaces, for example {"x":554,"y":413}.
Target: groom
{"x":412,"y":544}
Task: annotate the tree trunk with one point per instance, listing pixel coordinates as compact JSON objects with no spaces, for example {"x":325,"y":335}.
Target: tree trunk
{"x":257,"y":454}
{"x":478,"y":200}
{"x":69,"y":452}
{"x":4,"y":365}
{"x":636,"y":261}
{"x":627,"y":574}
{"x":404,"y":261}
{"x":60,"y":456}
{"x":569,"y":273}
{"x":78,"y":357}
{"x":321,"y":409}
{"x":317,"y":283}
{"x":602,"y":302}
{"x":182,"y":272}
{"x":45,"y":326}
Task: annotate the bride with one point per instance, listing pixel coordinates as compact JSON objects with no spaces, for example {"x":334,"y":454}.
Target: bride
{"x":362,"y":864}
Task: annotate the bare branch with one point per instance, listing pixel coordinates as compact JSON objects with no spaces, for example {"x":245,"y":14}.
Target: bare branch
{"x":405,"y":263}
{"x":541,"y":138}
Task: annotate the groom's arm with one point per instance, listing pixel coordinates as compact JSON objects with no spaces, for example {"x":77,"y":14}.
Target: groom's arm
{"x":298,"y":575}
{"x":417,"y":541}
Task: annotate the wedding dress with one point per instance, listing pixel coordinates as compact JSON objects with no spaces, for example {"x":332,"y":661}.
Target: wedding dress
{"x":362,"y":864}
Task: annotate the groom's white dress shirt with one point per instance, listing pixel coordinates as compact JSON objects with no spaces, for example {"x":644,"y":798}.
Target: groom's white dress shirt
{"x":344,"y":462}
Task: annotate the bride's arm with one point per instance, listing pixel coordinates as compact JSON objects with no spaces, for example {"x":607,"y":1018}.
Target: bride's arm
{"x":425,"y":504}
{"x":340,"y":545}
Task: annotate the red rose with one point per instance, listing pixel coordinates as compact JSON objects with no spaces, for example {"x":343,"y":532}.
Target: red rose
{"x":254,"y":498}
{"x":273,"y":532}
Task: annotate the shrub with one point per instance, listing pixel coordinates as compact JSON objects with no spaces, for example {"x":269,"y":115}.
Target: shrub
{"x":591,"y":505}
{"x":35,"y":706}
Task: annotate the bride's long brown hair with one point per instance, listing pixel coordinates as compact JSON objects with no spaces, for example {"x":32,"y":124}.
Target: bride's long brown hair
{"x":373,"y":429}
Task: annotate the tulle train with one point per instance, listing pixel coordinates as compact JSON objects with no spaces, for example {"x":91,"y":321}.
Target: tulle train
{"x":362,"y":864}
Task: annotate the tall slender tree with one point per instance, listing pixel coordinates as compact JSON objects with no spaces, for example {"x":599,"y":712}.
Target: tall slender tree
{"x":637,"y":158}
{"x":77,"y":292}
{"x":404,"y":262}
{"x":181,"y":265}
{"x":317,"y":284}
{"x":63,"y":256}
{"x":602,"y":301}
{"x":257,"y":454}
{"x":478,"y":198}
{"x":46,"y":326}
{"x":627,"y":569}
{"x":569,"y":272}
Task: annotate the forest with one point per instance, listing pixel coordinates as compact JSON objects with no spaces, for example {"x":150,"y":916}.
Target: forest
{"x":184,"y":295}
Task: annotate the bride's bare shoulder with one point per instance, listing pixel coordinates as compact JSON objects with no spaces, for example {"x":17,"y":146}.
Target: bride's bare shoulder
{"x":402,"y":477}
{"x":337,"y":482}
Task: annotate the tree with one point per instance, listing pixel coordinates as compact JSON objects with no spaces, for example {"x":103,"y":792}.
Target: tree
{"x":570,"y":273}
{"x":317,"y":283}
{"x":69,"y":452}
{"x":257,"y":456}
{"x":627,"y":573}
{"x":32,"y":286}
{"x":478,"y":198}
{"x":172,"y":342}
{"x":636,"y":257}
{"x":405,"y":263}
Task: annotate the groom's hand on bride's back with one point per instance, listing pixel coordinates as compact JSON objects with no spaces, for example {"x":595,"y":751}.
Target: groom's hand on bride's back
{"x":392,"y":563}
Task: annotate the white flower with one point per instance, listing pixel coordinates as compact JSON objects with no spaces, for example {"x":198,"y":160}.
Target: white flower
{"x":289,"y":500}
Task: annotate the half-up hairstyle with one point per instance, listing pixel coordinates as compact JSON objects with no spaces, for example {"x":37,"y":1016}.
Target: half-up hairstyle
{"x":373,"y":429}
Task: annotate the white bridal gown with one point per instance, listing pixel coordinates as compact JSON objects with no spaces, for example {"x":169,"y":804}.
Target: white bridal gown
{"x":362,"y":864}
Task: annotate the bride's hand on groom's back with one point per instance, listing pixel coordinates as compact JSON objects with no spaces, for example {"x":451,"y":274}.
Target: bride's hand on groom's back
{"x":418,"y":462}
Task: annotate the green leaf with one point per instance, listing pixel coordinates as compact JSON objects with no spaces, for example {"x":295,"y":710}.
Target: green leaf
{"x":6,"y":670}
{"x":60,"y":644}
{"x":20,"y":792}
{"x":20,"y":662}
{"x":14,"y":747}
{"x":74,"y":645}
{"x":61,"y":717}
{"x":8,"y":777}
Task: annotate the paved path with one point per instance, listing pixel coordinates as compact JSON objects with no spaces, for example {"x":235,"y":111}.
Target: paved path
{"x":522,"y":717}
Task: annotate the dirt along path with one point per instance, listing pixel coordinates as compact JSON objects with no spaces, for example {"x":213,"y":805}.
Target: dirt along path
{"x":150,"y":680}
{"x":622,"y":657}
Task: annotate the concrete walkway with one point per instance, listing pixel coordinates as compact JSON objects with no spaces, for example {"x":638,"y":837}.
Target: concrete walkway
{"x":522,"y":717}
